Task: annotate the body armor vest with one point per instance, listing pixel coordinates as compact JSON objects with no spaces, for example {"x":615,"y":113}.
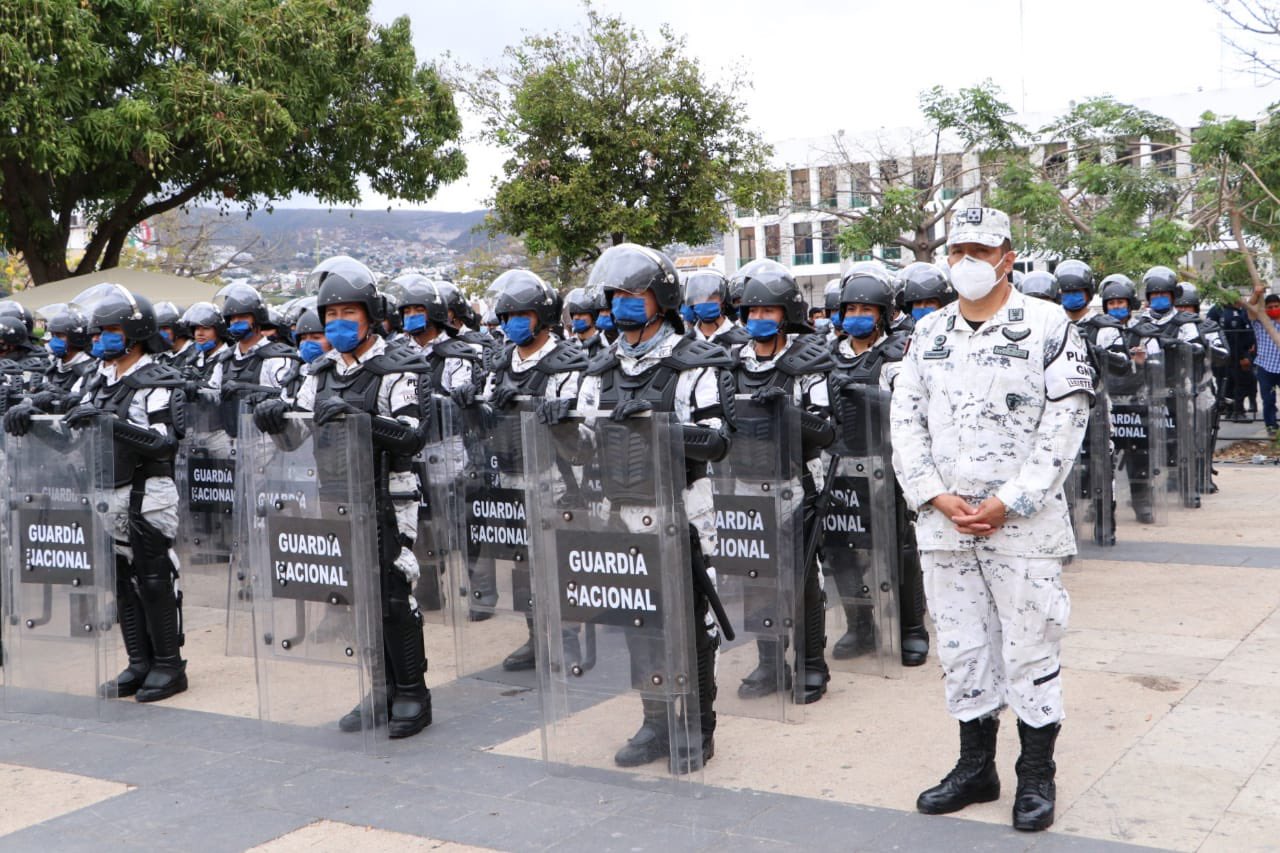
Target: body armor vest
{"x":505,"y":445}
{"x":860,"y":370}
{"x":249,"y":371}
{"x":115,"y":400}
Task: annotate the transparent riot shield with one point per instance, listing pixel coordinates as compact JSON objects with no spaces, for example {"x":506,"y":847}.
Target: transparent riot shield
{"x":1139,"y":424}
{"x":1090,"y":485}
{"x":313,"y":565}
{"x":439,"y":543}
{"x":758,"y":559}
{"x":1183,"y":440}
{"x":621,"y":635}
{"x":494,"y":628}
{"x":1206,"y":424}
{"x":861,"y":548}
{"x":59,"y":570}
{"x":204,"y":472}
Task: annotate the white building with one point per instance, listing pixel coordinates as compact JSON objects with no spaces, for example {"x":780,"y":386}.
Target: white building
{"x":828,"y":180}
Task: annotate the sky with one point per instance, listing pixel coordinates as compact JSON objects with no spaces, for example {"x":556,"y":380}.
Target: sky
{"x":858,"y":65}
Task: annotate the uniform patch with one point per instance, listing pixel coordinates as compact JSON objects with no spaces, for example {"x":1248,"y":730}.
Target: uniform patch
{"x":945,"y":352}
{"x":1015,"y":315}
{"x":1011,"y":352}
{"x":951,"y":323}
{"x":1013,"y":401}
{"x":939,"y":341}
{"x":1015,"y":335}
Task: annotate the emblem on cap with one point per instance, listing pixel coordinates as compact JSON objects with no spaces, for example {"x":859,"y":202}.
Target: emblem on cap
{"x":973,"y":214}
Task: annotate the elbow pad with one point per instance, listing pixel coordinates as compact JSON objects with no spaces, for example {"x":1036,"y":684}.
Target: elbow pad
{"x":390,"y":434}
{"x":816,"y":432}
{"x":704,"y":444}
{"x":146,"y":442}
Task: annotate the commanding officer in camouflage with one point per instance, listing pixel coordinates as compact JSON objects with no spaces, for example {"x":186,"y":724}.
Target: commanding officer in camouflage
{"x":987,"y":416}
{"x":361,"y":375}
{"x":653,"y":367}
{"x":786,"y":363}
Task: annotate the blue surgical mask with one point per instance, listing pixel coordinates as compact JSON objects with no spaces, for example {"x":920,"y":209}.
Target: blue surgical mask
{"x":167,"y":335}
{"x":310,"y":351}
{"x":1074,"y":300}
{"x":708,"y":312}
{"x":111,"y":345}
{"x":858,"y":325}
{"x":240,"y":329}
{"x":604,"y":323}
{"x":687,"y":314}
{"x":762,"y":329}
{"x":1121,"y":314}
{"x":629,"y":312}
{"x":519,"y":330}
{"x":1161,"y":303}
{"x":343,"y":335}
{"x":207,"y":346}
{"x":580,"y":325}
{"x":919,"y":314}
{"x":822,"y":325}
{"x":58,"y":346}
{"x":415,"y":323}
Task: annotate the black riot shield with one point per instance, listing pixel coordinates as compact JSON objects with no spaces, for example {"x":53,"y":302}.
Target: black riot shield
{"x":618,"y":621}
{"x":59,"y":570}
{"x":204,"y":472}
{"x":1090,"y":485}
{"x":313,"y":565}
{"x":493,"y":630}
{"x":758,"y":560}
{"x":861,"y":549}
{"x":1139,"y":424}
{"x":1185,"y":447}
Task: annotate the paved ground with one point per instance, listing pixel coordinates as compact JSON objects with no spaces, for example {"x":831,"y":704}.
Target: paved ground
{"x":1173,"y":741}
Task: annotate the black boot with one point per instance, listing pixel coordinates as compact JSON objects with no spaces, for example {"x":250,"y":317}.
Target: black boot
{"x":974,"y":778}
{"x":168,"y":674}
{"x":133,"y":628}
{"x":915,"y":645}
{"x":353,"y":720}
{"x":814,"y":644}
{"x":860,"y":636}
{"x":523,"y":657}
{"x":687,"y":757}
{"x":652,"y":741}
{"x":1033,"y":805}
{"x":409,"y":702}
{"x":914,"y":636}
{"x":763,"y":680}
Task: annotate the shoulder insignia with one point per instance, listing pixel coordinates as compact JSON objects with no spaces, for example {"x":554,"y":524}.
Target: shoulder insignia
{"x":1015,"y":335}
{"x":1015,"y":315}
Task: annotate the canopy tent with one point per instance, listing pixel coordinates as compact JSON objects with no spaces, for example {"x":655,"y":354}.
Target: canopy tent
{"x":156,"y":286}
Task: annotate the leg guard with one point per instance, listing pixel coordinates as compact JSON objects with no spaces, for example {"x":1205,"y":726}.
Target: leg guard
{"x":133,"y":629}
{"x":156,"y":573}
{"x":410,"y":701}
{"x":813,"y":642}
{"x":522,"y":658}
{"x":915,"y":637}
{"x":763,"y":680}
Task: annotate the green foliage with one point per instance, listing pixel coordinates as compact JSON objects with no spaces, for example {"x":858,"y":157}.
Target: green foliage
{"x":614,"y":137}
{"x":122,"y":110}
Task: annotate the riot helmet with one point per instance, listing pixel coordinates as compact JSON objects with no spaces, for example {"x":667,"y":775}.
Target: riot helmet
{"x":1118,"y":286}
{"x":866,"y":288}
{"x":1188,"y":297}
{"x":1039,"y":285}
{"x":340,"y":280}
{"x":308,"y":324}
{"x":1074,"y":275}
{"x":21,"y":313}
{"x":114,"y":305}
{"x":13,"y":334}
{"x":522,"y":290}
{"x":581,"y":300}
{"x":205,"y":314}
{"x":236,"y":299}
{"x":73,"y":323}
{"x":923,"y":280}
{"x":1160,"y":280}
{"x":831,"y":296}
{"x":631,"y":268}
{"x":457,"y":302}
{"x":167,"y":314}
{"x":418,"y":290}
{"x":769,"y":283}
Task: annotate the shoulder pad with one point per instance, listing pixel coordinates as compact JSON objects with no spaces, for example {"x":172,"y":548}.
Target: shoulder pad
{"x":322,"y":365}
{"x":809,"y":354}
{"x":565,"y":358}
{"x":1145,"y":329}
{"x":894,"y":347}
{"x":1103,"y":321}
{"x":604,"y":361}
{"x":734,"y":336}
{"x":474,"y":336}
{"x":1208,"y":326}
{"x":398,"y":361}
{"x":454,"y":348}
{"x":692,"y":353}
{"x":275,"y":349}
{"x":157,"y":375}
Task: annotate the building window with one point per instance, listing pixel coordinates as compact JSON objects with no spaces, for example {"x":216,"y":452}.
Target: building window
{"x":888,"y":172}
{"x":1163,"y":154}
{"x":830,"y":249}
{"x":952,"y":176}
{"x":1055,"y":162}
{"x":922,"y":172}
{"x":1127,"y":151}
{"x":746,"y":243}
{"x":802,"y":241}
{"x":827,"y":186}
{"x":800,"y":187}
{"x":772,"y":242}
{"x":860,"y":185}
{"x":892,"y":253}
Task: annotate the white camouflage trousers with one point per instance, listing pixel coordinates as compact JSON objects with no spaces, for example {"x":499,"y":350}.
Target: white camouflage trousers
{"x":999,"y":622}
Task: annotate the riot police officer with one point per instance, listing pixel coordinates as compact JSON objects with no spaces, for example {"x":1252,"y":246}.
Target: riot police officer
{"x":143,"y":402}
{"x":1039,"y":284}
{"x":706,"y":293}
{"x":424,"y":316}
{"x":69,"y":341}
{"x":362,"y":375}
{"x":257,"y":367}
{"x":871,"y":354}
{"x":925,"y":289}
{"x":583,"y":307}
{"x":175,"y":333}
{"x":209,"y":336}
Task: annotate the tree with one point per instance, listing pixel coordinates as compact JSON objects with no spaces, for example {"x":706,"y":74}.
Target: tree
{"x":1092,"y":194}
{"x":614,"y":138}
{"x":917,"y":183}
{"x":123,"y":110}
{"x":1254,"y":21}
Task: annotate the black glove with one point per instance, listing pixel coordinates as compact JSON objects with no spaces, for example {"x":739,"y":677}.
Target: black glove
{"x":17,"y":421}
{"x":464,"y":396}
{"x":554,"y":410}
{"x":268,"y":416}
{"x":629,"y":408}
{"x":768,"y":396}
{"x":45,"y":401}
{"x":503,"y":396}
{"x":331,"y":408}
{"x":82,"y":416}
